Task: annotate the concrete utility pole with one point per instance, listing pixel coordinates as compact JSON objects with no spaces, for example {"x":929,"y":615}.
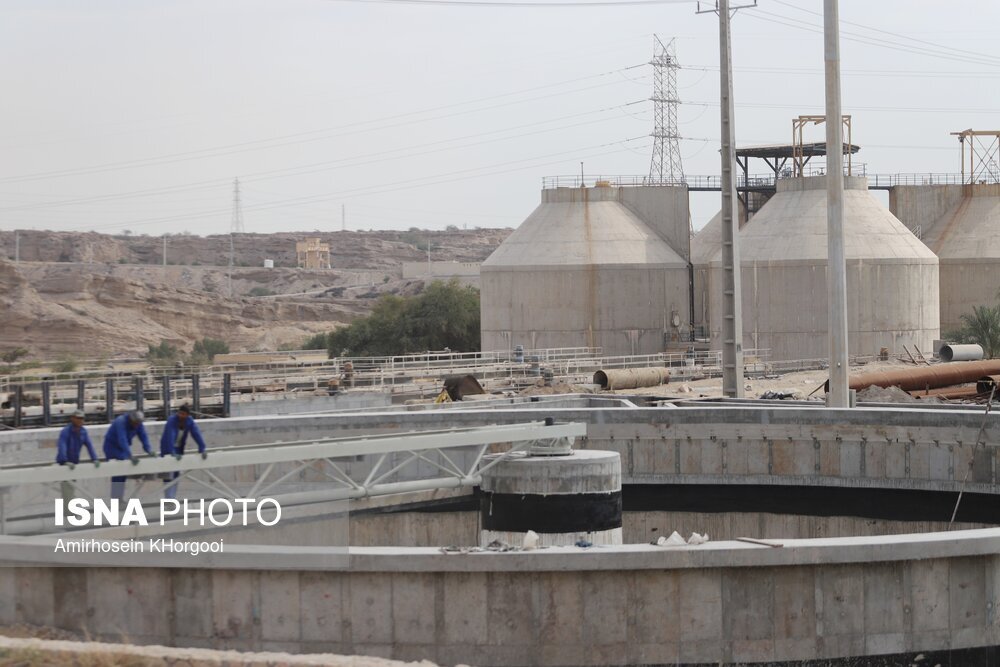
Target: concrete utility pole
{"x":839,"y":393}
{"x":343,"y":218}
{"x":732,"y":306}
{"x":17,"y":248}
{"x":164,"y":250}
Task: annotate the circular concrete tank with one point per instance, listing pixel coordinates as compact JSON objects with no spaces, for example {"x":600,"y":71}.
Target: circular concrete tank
{"x":592,"y":267}
{"x":562,"y":498}
{"x":892,"y":277}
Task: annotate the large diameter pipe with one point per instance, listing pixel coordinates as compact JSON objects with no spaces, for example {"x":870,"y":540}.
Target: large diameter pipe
{"x":928,"y":377}
{"x":984,"y":385}
{"x":971,"y":352}
{"x":631,"y":378}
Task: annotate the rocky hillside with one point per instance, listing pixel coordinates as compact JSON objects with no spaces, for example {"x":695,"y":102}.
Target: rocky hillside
{"x":348,"y":250}
{"x":92,"y":295}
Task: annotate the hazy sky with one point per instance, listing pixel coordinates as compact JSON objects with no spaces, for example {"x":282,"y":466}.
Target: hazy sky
{"x":137,"y":115}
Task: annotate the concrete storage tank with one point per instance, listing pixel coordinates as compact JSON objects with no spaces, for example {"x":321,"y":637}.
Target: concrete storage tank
{"x":704,"y":244}
{"x":592,"y":267}
{"x":961,"y":225}
{"x":892,"y":278}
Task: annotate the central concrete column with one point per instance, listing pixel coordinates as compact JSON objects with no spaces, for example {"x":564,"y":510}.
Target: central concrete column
{"x":565,"y":499}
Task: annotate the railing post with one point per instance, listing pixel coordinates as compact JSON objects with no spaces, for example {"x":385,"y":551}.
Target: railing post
{"x":18,"y":399}
{"x":227,"y":383}
{"x":196,"y":394}
{"x":138,"y":391}
{"x":166,"y":396}
{"x":81,"y":394}
{"x":109,"y":399}
{"x":46,"y":400}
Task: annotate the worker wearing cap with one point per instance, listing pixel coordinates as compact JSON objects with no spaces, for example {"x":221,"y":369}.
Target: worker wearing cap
{"x":72,"y":439}
{"x":118,"y":445}
{"x":176,"y":430}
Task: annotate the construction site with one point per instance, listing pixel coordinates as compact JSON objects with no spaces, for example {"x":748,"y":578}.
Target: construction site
{"x":767,"y":442}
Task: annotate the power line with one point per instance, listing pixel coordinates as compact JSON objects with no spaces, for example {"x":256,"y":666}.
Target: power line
{"x":895,"y":34}
{"x":300,"y":137}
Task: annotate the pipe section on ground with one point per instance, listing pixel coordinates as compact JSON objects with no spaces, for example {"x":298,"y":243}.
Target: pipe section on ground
{"x":928,"y":377}
{"x":971,"y":352}
{"x":631,"y":378}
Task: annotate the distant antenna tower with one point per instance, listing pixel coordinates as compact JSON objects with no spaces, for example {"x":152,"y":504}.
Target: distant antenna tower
{"x":237,"y":223}
{"x":665,"y":166}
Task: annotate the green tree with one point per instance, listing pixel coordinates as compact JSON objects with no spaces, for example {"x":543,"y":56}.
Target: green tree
{"x":164,"y":353}
{"x":317,"y":342}
{"x":982,"y":326}
{"x":443,"y":315}
{"x":10,"y":356}
{"x":206,"y":349}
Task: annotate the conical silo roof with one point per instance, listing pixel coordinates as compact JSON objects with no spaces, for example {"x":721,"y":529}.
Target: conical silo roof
{"x":707,"y":241}
{"x":792,"y":226}
{"x":576,"y":226}
{"x":971,"y":229}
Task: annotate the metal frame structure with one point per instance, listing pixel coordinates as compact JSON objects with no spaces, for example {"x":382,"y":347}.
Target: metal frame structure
{"x":799,"y":158}
{"x":319,"y":456}
{"x":984,"y":156}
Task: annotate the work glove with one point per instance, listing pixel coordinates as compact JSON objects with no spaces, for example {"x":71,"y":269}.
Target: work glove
{"x":151,"y":454}
{"x":97,"y":464}
{"x":71,"y":465}
{"x":134,"y":460}
{"x":177,"y":456}
{"x":204,"y":455}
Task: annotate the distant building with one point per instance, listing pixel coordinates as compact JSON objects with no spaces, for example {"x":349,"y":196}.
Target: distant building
{"x":312,"y":254}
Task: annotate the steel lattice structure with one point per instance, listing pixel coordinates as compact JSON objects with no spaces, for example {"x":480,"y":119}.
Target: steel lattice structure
{"x":665,"y":167}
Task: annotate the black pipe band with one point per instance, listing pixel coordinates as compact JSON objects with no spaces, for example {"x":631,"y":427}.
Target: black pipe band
{"x":569,"y":513}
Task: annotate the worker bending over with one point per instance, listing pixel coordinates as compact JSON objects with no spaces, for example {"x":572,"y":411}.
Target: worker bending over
{"x":118,"y":445}
{"x":179,"y":426}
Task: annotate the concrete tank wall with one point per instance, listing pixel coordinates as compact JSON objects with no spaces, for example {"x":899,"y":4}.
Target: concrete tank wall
{"x":892,"y":278}
{"x":725,"y":602}
{"x":592,"y":267}
{"x":920,"y":207}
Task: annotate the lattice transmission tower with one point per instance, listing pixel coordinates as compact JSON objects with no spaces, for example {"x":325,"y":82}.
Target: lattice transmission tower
{"x":236,"y":227}
{"x":665,"y":167}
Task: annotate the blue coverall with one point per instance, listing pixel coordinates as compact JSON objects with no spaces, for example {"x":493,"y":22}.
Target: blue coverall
{"x":71,"y":441}
{"x":174,"y":439}
{"x":118,"y":446}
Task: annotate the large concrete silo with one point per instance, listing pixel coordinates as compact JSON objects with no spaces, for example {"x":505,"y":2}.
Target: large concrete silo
{"x":704,"y":244}
{"x":892,"y":278}
{"x":961,"y":225}
{"x":592,"y":267}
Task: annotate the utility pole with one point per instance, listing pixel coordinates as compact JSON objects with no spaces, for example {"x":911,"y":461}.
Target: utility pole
{"x":17,"y":247}
{"x":429,"y":272}
{"x":235,"y":227}
{"x":732,"y":305}
{"x":343,"y":218}
{"x":838,"y":395}
{"x":164,"y":251}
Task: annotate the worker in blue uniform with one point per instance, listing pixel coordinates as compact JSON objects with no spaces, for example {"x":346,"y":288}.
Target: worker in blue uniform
{"x":72,"y":439}
{"x":178,"y":428}
{"x":118,"y":445}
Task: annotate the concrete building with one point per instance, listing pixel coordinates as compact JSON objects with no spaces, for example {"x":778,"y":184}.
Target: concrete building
{"x":961,"y":225}
{"x":595,"y":266}
{"x":892,"y":278}
{"x":466,"y":273}
{"x":312,"y":253}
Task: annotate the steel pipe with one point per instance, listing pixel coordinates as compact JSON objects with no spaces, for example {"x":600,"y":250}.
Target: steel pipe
{"x":928,"y":377}
{"x":971,"y":352}
{"x":631,"y":378}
